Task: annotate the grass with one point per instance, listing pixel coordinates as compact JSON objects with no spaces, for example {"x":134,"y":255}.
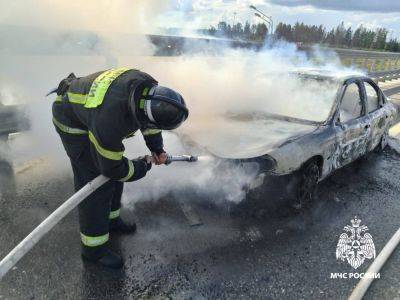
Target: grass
{"x":373,"y":64}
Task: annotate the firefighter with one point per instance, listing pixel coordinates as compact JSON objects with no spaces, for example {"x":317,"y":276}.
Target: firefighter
{"x":93,"y":115}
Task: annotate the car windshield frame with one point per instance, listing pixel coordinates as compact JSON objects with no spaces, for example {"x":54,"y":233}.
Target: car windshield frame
{"x":339,"y":82}
{"x":268,"y":115}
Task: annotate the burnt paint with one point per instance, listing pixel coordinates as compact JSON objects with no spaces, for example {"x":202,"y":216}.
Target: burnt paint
{"x":338,"y":144}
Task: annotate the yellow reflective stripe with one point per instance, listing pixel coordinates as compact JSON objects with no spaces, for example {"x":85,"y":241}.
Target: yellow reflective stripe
{"x":141,"y":103}
{"x":100,"y":86}
{"x":76,"y":98}
{"x":114,"y":214}
{"x":58,"y":99}
{"x":145,"y":91}
{"x":130,"y":135}
{"x":67,"y":129}
{"x":94,"y":241}
{"x":113,"y":155}
{"x":150,"y":131}
{"x":131,"y":171}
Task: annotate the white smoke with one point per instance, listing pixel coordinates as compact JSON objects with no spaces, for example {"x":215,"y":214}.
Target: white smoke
{"x":205,"y":178}
{"x":44,"y":41}
{"x":235,"y":81}
{"x":84,"y":37}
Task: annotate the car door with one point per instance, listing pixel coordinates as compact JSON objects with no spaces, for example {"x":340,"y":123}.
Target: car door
{"x":352,"y":125}
{"x":379,"y":117}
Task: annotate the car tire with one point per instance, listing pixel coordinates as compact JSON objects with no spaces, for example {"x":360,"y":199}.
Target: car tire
{"x":307,"y":185}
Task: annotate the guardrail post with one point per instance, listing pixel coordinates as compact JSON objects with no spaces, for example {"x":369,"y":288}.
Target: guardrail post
{"x":373,"y":65}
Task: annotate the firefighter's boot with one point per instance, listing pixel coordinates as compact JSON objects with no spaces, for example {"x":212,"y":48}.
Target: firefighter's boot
{"x":119,"y":226}
{"x":102,"y":256}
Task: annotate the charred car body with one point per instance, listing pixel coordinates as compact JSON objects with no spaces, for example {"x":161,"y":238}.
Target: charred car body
{"x":358,"y":122}
{"x":12,"y":120}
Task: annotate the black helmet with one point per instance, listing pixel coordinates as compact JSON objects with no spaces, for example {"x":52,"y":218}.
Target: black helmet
{"x":162,"y":107}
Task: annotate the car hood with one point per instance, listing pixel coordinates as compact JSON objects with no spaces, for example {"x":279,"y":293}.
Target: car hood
{"x":241,"y":139}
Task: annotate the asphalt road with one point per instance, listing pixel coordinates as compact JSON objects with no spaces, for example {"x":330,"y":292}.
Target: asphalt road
{"x":250,"y":251}
{"x":392,"y":91}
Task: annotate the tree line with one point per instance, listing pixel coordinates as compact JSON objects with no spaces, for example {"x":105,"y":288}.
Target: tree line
{"x":341,"y":36}
{"x":254,"y":32}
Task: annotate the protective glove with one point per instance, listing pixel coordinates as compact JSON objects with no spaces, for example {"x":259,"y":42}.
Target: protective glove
{"x":141,"y":167}
{"x":148,"y":163}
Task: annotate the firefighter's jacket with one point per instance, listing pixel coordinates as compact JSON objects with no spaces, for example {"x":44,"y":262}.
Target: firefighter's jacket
{"x":95,"y":111}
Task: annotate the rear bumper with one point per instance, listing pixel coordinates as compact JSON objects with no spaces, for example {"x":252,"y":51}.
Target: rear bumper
{"x":12,"y":119}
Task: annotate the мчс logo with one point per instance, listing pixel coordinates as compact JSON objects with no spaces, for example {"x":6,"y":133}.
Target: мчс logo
{"x":355,"y":244}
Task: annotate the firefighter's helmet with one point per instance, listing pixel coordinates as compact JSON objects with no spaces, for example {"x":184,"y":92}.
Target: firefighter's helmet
{"x":162,"y":108}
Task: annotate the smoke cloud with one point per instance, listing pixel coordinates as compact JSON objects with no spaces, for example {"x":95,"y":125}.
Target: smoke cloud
{"x":60,"y":37}
{"x":44,"y":41}
{"x":236,"y":82}
{"x":124,"y":16}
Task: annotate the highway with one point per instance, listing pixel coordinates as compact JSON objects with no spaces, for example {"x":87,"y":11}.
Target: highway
{"x":391,"y":89}
{"x":240,"y":251}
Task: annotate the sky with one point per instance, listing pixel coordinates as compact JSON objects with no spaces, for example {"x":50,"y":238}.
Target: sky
{"x":194,"y":14}
{"x":370,"y":13}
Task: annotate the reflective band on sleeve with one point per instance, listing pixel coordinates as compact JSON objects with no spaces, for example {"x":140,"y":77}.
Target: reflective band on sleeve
{"x":67,"y":129}
{"x":130,"y":135}
{"x":131,"y":171}
{"x":148,"y":111}
{"x":94,"y":241}
{"x":76,"y":98}
{"x":114,"y":214}
{"x":145,"y":91}
{"x":150,"y":131}
{"x":100,"y":86}
{"x":113,"y":155}
{"x":58,"y":99}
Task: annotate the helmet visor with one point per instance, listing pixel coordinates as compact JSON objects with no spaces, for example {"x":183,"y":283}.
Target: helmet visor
{"x":166,"y":115}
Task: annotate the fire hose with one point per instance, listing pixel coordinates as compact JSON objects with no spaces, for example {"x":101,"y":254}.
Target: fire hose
{"x":362,"y":287}
{"x":40,"y":231}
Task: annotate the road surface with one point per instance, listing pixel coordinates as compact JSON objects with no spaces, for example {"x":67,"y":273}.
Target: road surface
{"x":246,"y":251}
{"x":253,"y":253}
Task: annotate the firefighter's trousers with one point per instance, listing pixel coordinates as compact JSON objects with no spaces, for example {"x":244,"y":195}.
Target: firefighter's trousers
{"x":102,"y":206}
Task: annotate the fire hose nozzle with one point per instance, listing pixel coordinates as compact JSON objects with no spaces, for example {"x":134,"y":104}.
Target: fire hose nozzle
{"x":186,"y":158}
{"x":173,"y":158}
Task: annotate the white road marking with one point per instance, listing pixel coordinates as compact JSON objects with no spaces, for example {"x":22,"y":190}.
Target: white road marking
{"x":191,"y":216}
{"x":29,"y":165}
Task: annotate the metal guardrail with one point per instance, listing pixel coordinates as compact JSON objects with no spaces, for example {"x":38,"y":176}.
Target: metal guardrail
{"x":177,"y":45}
{"x":385,"y":75}
{"x":372,"y":61}
{"x":353,"y":53}
{"x":382,"y":66}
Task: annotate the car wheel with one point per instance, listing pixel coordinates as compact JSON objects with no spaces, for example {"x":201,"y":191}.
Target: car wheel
{"x":383,"y":143}
{"x":307,"y":185}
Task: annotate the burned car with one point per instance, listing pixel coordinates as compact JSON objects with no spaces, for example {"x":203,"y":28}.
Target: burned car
{"x":356,"y":122}
{"x":13,"y":119}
